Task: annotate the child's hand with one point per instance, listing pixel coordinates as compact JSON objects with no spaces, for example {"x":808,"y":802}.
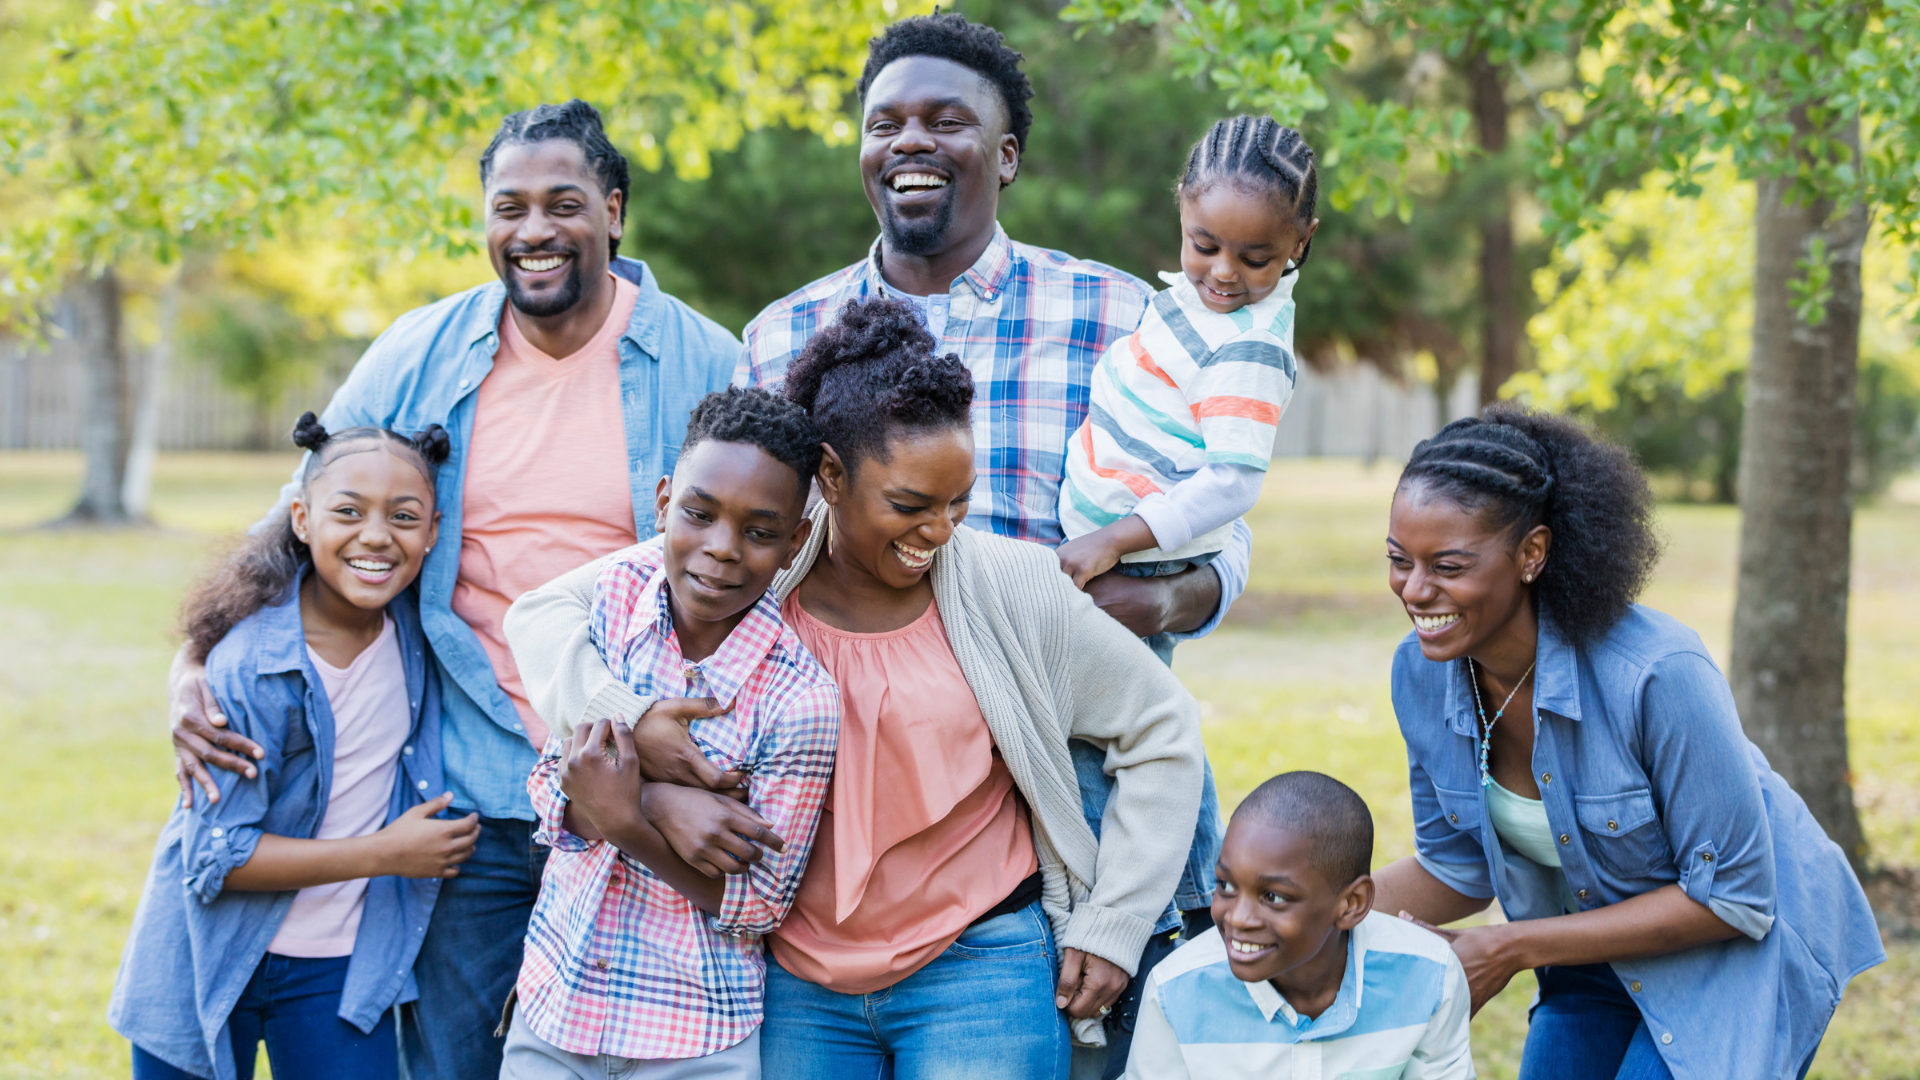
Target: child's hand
{"x":1086,"y":558}
{"x":666,"y":752}
{"x":600,"y":774}
{"x":714,"y":834}
{"x":418,"y":845}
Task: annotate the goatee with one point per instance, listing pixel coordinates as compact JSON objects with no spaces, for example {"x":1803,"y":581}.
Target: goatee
{"x":545,"y":304}
{"x":920,"y":235}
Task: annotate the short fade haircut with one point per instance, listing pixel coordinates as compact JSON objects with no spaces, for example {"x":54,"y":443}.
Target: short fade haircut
{"x":980,"y":49}
{"x":1330,"y":815}
{"x":578,"y":123}
{"x":761,"y":418}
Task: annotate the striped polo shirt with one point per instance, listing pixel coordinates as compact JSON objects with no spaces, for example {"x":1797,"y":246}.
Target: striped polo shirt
{"x":1401,"y":1013}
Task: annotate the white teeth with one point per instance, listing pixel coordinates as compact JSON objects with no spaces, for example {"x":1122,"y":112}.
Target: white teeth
{"x":538,"y":265}
{"x":1434,"y":622}
{"x":916,"y":180}
{"x":1246,"y":947}
{"x":913,"y":557}
{"x":370,"y":566}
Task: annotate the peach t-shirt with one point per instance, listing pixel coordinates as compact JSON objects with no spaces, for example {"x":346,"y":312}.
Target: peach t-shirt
{"x":923,"y":831}
{"x":546,"y":487}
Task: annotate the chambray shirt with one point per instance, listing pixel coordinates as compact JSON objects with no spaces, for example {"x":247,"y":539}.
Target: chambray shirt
{"x":1649,"y":781}
{"x":425,"y":370}
{"x":194,"y":947}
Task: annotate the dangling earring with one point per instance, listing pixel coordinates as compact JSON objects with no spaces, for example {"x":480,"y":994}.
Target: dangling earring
{"x":829,"y":532}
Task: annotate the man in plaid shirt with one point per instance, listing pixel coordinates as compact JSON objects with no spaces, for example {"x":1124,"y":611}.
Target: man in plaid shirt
{"x":944,"y":120}
{"x":644,"y":948}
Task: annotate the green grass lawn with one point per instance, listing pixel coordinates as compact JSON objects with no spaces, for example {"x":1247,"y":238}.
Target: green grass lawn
{"x":1298,"y":681}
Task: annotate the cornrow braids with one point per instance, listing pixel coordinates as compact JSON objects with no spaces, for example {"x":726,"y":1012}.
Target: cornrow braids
{"x":267,"y":563}
{"x":872,"y":372}
{"x":1257,"y":153}
{"x":1519,"y":469}
{"x":578,"y":123}
{"x":758,"y":417}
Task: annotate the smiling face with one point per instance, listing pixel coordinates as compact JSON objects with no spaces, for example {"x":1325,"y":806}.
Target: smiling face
{"x":1464,"y":583}
{"x":367,"y":516}
{"x":1277,"y":912}
{"x":892,"y":514}
{"x":733,"y":516}
{"x":548,"y":226}
{"x":1235,"y":244}
{"x":934,"y":154}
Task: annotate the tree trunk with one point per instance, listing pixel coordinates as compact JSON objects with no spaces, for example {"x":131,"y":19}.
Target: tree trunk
{"x":1499,"y":292}
{"x":137,"y":489}
{"x":107,"y":431}
{"x":1790,"y":617}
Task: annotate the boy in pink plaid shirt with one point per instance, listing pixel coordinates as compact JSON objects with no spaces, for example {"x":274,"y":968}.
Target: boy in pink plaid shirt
{"x":643,"y":957}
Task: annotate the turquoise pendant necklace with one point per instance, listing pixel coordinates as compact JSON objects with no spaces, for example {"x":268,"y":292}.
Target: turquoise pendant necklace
{"x":1486,"y":725}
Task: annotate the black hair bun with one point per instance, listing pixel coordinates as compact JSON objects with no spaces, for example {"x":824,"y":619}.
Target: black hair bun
{"x":307,"y":432}
{"x":434,"y":444}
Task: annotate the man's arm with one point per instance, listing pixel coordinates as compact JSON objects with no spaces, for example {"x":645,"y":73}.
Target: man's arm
{"x":1189,"y":604}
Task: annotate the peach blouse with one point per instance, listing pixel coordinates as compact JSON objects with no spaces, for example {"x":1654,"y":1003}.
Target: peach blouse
{"x":923,"y":830}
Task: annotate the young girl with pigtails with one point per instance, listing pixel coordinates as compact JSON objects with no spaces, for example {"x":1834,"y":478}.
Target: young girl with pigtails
{"x":290,"y":908}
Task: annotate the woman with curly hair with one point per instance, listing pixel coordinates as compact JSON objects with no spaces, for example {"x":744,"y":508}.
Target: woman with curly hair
{"x":1579,"y":758}
{"x":957,"y":914}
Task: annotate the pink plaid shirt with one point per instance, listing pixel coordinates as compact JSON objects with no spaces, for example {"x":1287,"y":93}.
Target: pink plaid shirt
{"x":617,"y":962}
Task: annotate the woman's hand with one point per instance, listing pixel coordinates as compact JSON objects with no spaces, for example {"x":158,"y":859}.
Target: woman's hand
{"x":1088,"y":984}
{"x":418,"y":845}
{"x":1483,"y":952}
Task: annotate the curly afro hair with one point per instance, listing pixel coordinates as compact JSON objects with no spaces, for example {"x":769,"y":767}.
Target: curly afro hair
{"x":872,"y":372}
{"x":978,"y":48}
{"x":758,"y":417}
{"x":1520,"y":469}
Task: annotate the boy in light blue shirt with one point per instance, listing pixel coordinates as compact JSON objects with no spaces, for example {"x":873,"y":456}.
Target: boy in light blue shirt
{"x":1300,"y":977}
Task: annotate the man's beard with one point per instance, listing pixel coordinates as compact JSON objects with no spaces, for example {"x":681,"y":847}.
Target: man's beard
{"x":920,"y":235}
{"x":550,"y":303}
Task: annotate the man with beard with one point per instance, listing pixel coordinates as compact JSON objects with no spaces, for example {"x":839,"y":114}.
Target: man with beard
{"x":944,"y":121}
{"x":565,"y":387}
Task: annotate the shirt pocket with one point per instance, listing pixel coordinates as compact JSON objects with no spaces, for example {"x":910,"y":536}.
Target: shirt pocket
{"x":1623,"y":833}
{"x":1460,"y":809}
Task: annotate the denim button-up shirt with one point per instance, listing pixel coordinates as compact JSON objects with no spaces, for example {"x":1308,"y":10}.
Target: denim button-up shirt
{"x":425,"y":370}
{"x":1648,"y":780}
{"x":194,"y":946}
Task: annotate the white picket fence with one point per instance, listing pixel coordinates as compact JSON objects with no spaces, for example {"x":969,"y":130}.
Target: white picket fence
{"x":1352,"y":411}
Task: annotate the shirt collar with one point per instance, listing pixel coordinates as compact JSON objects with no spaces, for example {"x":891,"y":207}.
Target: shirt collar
{"x":281,"y":640}
{"x":988,"y":276}
{"x":1346,"y":1002}
{"x":1556,"y":681}
{"x":728,"y":669}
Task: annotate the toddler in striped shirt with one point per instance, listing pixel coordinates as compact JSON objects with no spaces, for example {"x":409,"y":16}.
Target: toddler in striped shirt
{"x":1182,"y":415}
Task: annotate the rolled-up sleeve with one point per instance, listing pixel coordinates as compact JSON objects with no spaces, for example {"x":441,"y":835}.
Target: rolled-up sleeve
{"x":1232,"y":565}
{"x":1706,"y":783}
{"x":219,"y":837}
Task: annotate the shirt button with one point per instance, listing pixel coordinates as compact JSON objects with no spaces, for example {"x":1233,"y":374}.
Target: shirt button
{"x":1613,"y":826}
{"x":1706,"y":856}
{"x":407,"y":750}
{"x":602,"y":965}
{"x":1546,"y":778}
{"x":1634,"y":986}
{"x":422,"y":785}
{"x":1582,"y":894}
{"x":463,"y":384}
{"x":1667,"y":1037}
{"x":1565,"y":839}
{"x":1455,"y":818}
{"x":217,"y":832}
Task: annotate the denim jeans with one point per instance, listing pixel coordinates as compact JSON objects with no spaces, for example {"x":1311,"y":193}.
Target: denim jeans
{"x":1586,"y":1027}
{"x":294,"y":1004}
{"x":471,"y":955}
{"x":982,"y":1010}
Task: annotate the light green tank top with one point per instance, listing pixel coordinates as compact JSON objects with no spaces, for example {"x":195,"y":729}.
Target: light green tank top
{"x":1523,"y":824}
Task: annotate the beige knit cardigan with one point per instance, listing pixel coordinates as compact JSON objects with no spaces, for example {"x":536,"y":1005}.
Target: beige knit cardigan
{"x":1046,"y":665}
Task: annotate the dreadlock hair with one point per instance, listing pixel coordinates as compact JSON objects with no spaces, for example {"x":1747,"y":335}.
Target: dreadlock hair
{"x":978,"y":48}
{"x":578,"y":123}
{"x":1258,"y":155}
{"x":1328,"y":813}
{"x":268,"y":562}
{"x":872,"y":372}
{"x":1519,"y":469}
{"x":758,"y":417}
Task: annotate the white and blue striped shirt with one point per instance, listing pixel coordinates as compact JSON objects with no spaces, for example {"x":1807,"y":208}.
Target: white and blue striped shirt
{"x":1401,"y":1013}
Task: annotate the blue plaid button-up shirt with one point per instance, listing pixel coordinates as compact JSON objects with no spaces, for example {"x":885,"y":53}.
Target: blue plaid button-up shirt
{"x":1031,"y":324}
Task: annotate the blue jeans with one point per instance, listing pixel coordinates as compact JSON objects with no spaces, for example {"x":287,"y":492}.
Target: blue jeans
{"x":1586,"y":1027}
{"x":471,"y":955}
{"x":294,"y":1004}
{"x":982,"y":1010}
